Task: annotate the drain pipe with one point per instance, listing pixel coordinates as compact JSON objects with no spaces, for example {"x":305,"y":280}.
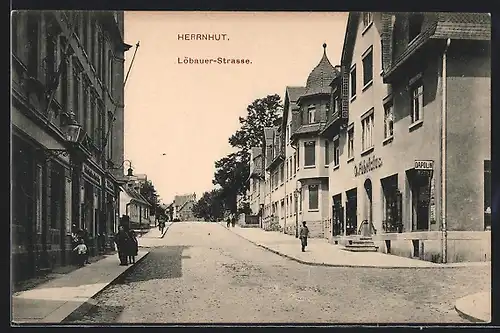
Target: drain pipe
{"x":444,"y":227}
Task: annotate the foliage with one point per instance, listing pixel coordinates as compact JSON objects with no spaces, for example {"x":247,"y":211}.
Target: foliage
{"x":263,"y":112}
{"x":232,"y":171}
{"x":210,"y":206}
{"x":245,"y":208}
{"x":148,"y":191}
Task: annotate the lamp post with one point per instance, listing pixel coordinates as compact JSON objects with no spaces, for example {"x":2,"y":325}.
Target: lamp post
{"x":296,"y":193}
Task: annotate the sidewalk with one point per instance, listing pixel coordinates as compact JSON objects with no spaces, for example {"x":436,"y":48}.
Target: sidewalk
{"x":154,"y":232}
{"x":321,"y":253}
{"x":475,"y":307}
{"x":53,"y":301}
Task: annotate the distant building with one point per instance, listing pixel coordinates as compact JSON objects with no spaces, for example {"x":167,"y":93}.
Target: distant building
{"x":134,"y":206}
{"x":183,"y":207}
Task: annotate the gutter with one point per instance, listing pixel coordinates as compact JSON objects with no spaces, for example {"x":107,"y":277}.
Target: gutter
{"x":444,"y":226}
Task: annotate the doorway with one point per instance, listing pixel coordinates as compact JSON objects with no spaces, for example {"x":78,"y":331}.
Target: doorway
{"x":419,"y":183}
{"x":338,"y":216}
{"x":351,"y":210}
{"x":366,"y":228}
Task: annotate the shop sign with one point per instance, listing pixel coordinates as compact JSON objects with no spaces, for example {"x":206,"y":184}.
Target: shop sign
{"x":87,"y":171}
{"x":367,"y":165}
{"x":424,"y":165}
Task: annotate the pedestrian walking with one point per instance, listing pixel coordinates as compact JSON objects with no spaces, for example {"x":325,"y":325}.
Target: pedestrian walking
{"x":233,"y":222}
{"x":133,"y":247}
{"x":81,"y":253}
{"x":303,"y":234}
{"x":228,"y":223}
{"x":122,"y":242}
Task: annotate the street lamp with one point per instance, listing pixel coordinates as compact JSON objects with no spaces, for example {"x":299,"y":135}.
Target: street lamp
{"x":297,"y":193}
{"x":71,"y":131}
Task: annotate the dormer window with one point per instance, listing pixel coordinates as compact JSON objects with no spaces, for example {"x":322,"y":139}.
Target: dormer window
{"x":312,"y":115}
{"x":415,"y":26}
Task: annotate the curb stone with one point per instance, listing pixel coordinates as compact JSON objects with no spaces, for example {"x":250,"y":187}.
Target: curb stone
{"x":310,"y":263}
{"x":479,"y":316}
{"x":86,"y":306}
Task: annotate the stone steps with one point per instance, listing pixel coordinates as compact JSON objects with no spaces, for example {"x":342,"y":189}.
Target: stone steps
{"x":361,"y":244}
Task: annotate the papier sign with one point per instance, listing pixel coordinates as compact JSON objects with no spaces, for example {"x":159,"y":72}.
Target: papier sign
{"x":424,"y":165}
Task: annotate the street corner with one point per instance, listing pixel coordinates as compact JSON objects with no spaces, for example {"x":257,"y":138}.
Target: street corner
{"x":475,"y":307}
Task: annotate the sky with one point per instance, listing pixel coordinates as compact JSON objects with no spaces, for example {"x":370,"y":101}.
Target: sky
{"x":178,"y":117}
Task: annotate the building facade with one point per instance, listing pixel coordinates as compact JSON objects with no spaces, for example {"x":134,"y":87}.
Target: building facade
{"x":183,"y":207}
{"x":134,"y":206}
{"x":297,"y":157}
{"x":67,"y":69}
{"x":413,"y":161}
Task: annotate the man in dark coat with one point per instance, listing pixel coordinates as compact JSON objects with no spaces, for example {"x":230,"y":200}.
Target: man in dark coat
{"x":303,"y":234}
{"x":122,"y":241}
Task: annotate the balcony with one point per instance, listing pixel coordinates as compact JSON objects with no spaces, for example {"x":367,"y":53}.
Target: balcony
{"x":307,"y":129}
{"x":334,"y":124}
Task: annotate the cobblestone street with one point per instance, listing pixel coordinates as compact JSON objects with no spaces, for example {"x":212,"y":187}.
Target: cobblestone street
{"x":202,"y":272}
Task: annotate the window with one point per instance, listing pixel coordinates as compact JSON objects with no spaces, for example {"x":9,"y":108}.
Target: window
{"x":367,"y":19}
{"x":367,"y":132}
{"x":76,"y":90}
{"x":392,"y":204}
{"x":336,"y":105}
{"x":64,"y":86}
{"x":294,"y":163}
{"x":76,"y":28}
{"x":39,"y":197}
{"x":336,"y":152}
{"x":327,"y":153}
{"x":312,"y":115}
{"x":110,"y":72}
{"x":415,"y":26}
{"x":313,"y":197}
{"x":287,"y":169}
{"x":298,"y":157}
{"x":104,"y":62}
{"x":56,"y":198}
{"x":417,"y":101}
{"x":487,"y":195}
{"x":15,"y":31}
{"x":353,"y":82}
{"x":85,"y":106}
{"x":110,"y":137}
{"x":309,"y":152}
{"x":300,"y":200}
{"x":350,"y":143}
{"x":388,"y":120}
{"x":93,"y":111}
{"x":282,"y":172}
{"x":33,"y":39}
{"x":368,"y":68}
{"x":85,"y":34}
{"x":50,"y":60}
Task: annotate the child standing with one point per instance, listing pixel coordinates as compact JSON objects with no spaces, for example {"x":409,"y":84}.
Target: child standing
{"x":81,"y":252}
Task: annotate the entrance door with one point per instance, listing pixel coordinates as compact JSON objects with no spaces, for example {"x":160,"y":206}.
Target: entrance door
{"x":338,"y":218}
{"x":351,"y":212}
{"x":367,"y":221}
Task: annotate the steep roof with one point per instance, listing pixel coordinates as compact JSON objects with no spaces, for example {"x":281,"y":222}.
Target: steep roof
{"x":135,"y":195}
{"x":292,"y":95}
{"x":318,"y":81}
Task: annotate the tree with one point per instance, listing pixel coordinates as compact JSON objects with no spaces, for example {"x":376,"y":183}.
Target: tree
{"x":232,"y":171}
{"x":148,"y":191}
{"x":263,"y":112}
{"x":210,"y":206}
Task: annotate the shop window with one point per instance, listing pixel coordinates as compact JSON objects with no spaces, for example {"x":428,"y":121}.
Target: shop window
{"x":487,"y":195}
{"x":313,"y":197}
{"x":337,"y":216}
{"x":351,"y":208}
{"x":310,"y":153}
{"x":350,"y":143}
{"x":419,"y":182}
{"x":392,"y":221}
{"x":56,"y":197}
